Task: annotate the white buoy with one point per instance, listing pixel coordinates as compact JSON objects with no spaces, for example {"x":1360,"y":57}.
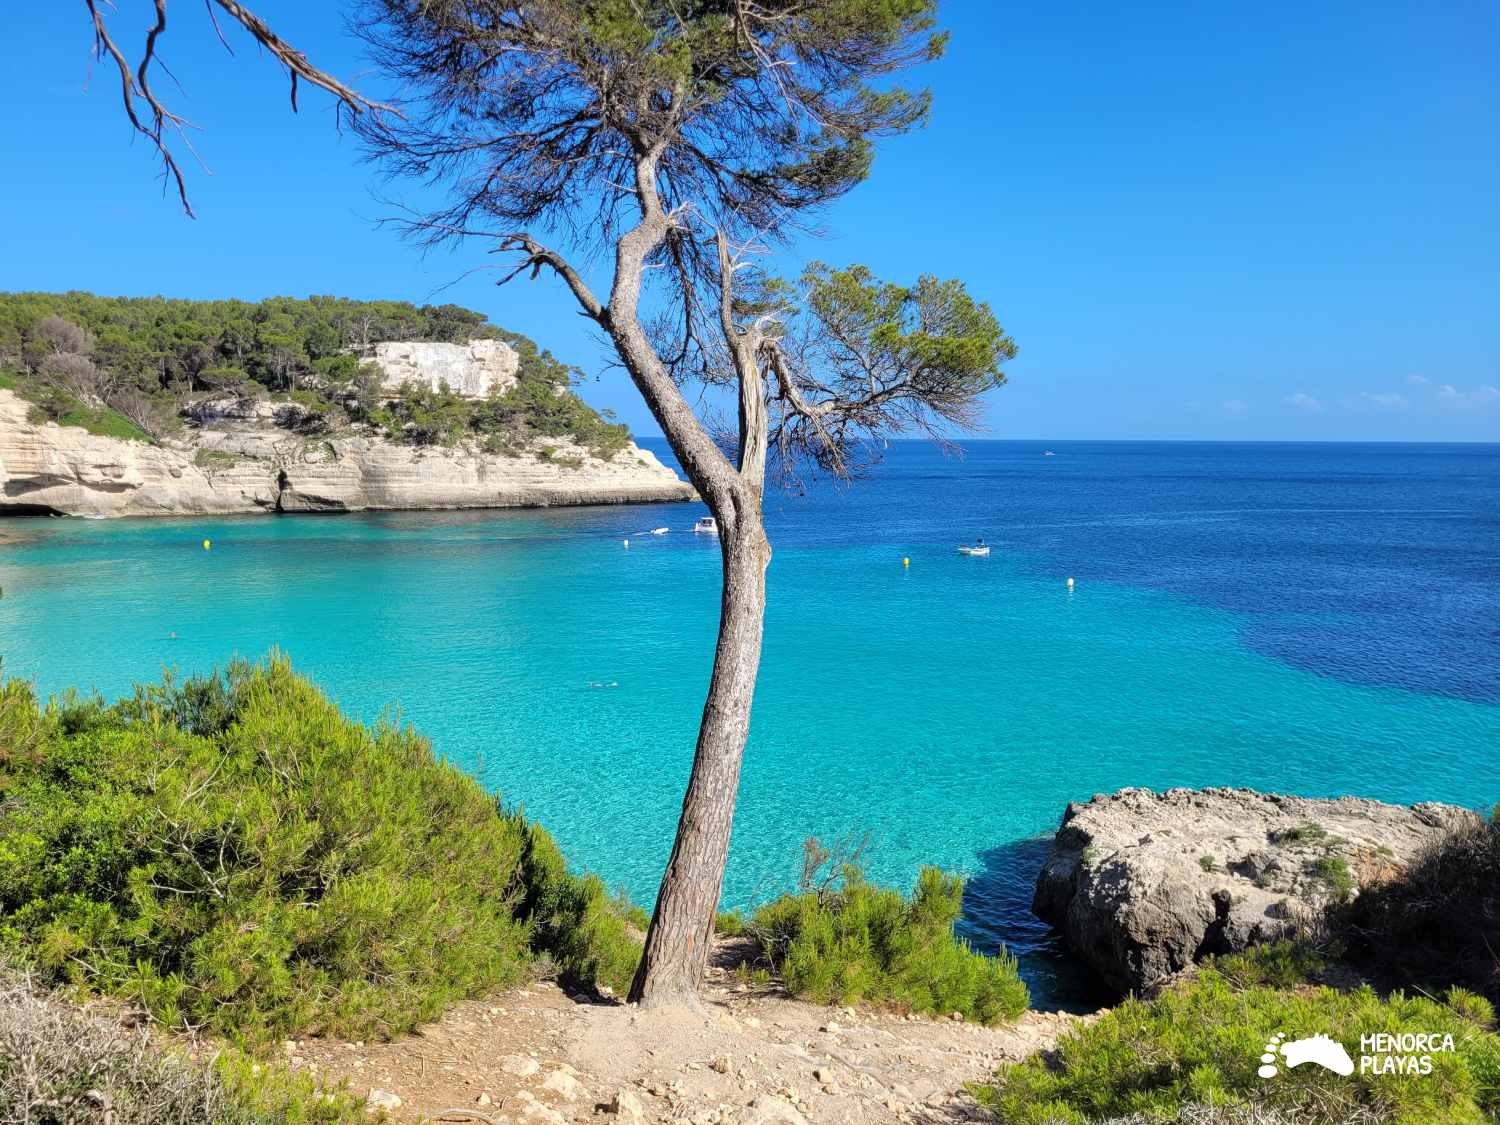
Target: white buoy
{"x":627,"y":542}
{"x":1070,"y":583}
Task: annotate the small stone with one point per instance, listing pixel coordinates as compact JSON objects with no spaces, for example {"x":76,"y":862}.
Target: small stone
{"x":563,"y":1084}
{"x":750,"y":1022}
{"x":289,"y":1045}
{"x":956,"y":1017}
{"x":519,"y":1066}
{"x":823,"y":1074}
{"x":484,"y":1099}
{"x":381,"y":1099}
{"x":766,"y":1110}
{"x":722,"y":1064}
{"x":626,"y":1104}
{"x":831,"y":1028}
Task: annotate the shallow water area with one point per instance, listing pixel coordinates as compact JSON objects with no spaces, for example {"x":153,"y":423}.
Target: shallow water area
{"x":1311,"y":619}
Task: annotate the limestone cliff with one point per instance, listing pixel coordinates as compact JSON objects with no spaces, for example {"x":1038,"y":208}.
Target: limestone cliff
{"x":472,"y":370}
{"x":1143,"y":884}
{"x":240,"y":457}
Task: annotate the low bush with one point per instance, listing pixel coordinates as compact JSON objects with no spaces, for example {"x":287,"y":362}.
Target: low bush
{"x":1278,"y":964}
{"x":1437,"y":923}
{"x":234,"y":854}
{"x":59,"y":1064}
{"x":1334,"y":871}
{"x":1200,"y":1045}
{"x":849,"y":941}
{"x":731,"y":923}
{"x":582,"y":930}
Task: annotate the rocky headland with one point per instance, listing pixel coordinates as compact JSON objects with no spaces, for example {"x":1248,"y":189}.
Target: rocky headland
{"x":242,"y":454}
{"x":1144,"y":884}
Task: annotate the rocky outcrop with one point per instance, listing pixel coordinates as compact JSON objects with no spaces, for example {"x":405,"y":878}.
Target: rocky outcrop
{"x":235,"y":460}
{"x":472,"y":370}
{"x":1143,"y":884}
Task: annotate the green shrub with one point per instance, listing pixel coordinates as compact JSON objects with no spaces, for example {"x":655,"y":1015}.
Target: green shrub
{"x":103,"y":422}
{"x":1437,"y":923}
{"x":855,"y":942}
{"x":1200,"y":1044}
{"x":235,"y":854}
{"x":584,"y":933}
{"x":1334,"y":871}
{"x":731,"y":923}
{"x":1277,"y":964}
{"x":1301,"y":834}
{"x":1208,"y":863}
{"x":212,"y":459}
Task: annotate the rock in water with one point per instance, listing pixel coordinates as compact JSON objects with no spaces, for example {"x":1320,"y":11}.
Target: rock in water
{"x":1142,"y":884}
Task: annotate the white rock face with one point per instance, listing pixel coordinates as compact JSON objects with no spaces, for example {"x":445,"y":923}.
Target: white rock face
{"x":247,"y":465}
{"x":472,"y":370}
{"x":1142,"y":884}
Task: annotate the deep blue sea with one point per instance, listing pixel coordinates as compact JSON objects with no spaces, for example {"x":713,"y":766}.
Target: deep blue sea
{"x":1315,"y":619}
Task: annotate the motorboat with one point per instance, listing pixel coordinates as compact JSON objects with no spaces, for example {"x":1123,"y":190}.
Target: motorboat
{"x":660,"y":530}
{"x":706,"y":526}
{"x":977,"y":552}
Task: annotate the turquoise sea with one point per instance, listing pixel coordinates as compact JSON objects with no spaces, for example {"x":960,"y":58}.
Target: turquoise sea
{"x":1316,"y":619}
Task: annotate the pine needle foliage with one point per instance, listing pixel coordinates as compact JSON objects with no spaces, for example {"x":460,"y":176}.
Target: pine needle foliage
{"x":1200,"y":1045}
{"x":853,"y":942}
{"x":235,"y":854}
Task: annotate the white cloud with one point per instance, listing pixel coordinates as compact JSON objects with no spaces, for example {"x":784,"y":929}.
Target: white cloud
{"x":1482,"y":395}
{"x":1304,"y":401}
{"x":1384,"y":401}
{"x":1418,"y":380}
{"x":1235,"y":406}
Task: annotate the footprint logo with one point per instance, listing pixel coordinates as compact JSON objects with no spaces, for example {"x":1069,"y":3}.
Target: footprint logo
{"x":1268,"y":1060}
{"x":1320,"y":1049}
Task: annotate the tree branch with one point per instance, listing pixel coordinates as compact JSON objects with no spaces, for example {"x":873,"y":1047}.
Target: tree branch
{"x":150,"y":117}
{"x":537,"y":256}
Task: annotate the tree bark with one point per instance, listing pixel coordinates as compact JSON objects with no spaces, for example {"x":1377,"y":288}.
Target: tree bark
{"x":681,"y":933}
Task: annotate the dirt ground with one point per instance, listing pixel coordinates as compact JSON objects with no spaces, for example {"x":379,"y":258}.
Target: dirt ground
{"x":537,"y":1055}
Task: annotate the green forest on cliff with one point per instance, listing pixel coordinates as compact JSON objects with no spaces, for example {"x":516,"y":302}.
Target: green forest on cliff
{"x":127,"y":367}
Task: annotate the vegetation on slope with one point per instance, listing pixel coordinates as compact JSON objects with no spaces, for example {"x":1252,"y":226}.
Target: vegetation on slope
{"x":234,"y":854}
{"x":842,"y":941}
{"x":60,"y":1064}
{"x":1200,"y":1044}
{"x":1437,"y":923}
{"x":129,"y":366}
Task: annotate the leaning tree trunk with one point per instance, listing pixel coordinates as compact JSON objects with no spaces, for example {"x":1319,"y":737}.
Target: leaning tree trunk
{"x":677,"y":944}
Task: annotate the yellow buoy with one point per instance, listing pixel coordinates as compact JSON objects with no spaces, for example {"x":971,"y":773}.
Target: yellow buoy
{"x":906,"y":562}
{"x":206,"y":544}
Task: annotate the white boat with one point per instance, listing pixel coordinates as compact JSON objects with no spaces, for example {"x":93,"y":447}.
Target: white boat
{"x":659,"y":530}
{"x":1049,"y":453}
{"x":978,"y":552}
{"x":706,"y":526}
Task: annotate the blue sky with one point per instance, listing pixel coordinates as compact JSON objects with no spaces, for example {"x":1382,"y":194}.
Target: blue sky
{"x":1198,"y":220}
